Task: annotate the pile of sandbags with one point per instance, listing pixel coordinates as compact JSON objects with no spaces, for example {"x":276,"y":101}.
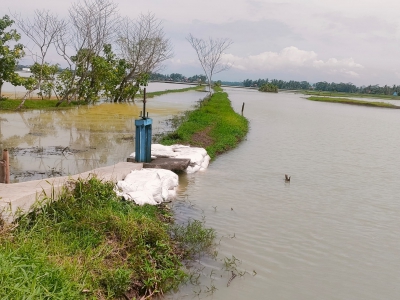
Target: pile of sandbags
{"x":199,"y":159}
{"x":148,"y":186}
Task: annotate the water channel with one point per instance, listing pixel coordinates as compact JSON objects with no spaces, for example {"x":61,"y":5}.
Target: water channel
{"x":332,"y":232}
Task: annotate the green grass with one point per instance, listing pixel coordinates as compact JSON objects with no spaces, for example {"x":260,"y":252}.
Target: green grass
{"x":159,"y":93}
{"x":12,"y":104}
{"x":354,"y":102}
{"x":214,"y":125}
{"x":358,"y":95}
{"x":91,"y":245}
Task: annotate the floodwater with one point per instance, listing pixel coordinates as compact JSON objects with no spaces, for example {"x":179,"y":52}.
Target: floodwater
{"x":14,"y":92}
{"x":47,"y":143}
{"x":331,"y":233}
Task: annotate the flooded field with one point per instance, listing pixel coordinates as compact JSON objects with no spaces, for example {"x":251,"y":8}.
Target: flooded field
{"x":53,"y":143}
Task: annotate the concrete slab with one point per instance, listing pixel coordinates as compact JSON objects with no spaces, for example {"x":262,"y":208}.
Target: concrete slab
{"x":166,"y":163}
{"x":20,"y":198}
{"x":172,"y":164}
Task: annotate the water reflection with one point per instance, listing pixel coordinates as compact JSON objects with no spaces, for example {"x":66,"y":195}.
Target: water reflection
{"x":332,"y":233}
{"x":60,"y":142}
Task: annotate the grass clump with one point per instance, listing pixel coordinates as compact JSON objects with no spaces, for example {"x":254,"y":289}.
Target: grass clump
{"x":193,"y":238}
{"x":12,"y":104}
{"x":91,"y":245}
{"x":214,"y":125}
{"x":354,"y":102}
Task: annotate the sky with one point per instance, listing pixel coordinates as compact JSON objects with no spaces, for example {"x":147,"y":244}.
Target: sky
{"x":314,"y":40}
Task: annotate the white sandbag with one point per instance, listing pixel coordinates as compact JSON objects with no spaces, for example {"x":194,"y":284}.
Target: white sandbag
{"x":193,"y":169}
{"x":205,"y":163}
{"x":159,"y":150}
{"x":148,"y":186}
{"x":172,"y":194}
{"x":140,"y":198}
{"x":195,"y":157}
{"x":159,"y":147}
{"x":153,"y":186}
{"x":199,"y":158}
{"x":183,"y":150}
{"x":176,"y":147}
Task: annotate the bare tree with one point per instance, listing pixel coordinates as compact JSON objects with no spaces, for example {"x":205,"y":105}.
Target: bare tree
{"x":42,"y":30}
{"x":92,"y":25}
{"x":143,"y":45}
{"x":209,"y":53}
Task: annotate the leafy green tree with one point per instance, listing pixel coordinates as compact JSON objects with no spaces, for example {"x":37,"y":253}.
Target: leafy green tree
{"x":9,"y":55}
{"x":177,"y":77}
{"x":46,"y":74}
{"x":269,"y":87}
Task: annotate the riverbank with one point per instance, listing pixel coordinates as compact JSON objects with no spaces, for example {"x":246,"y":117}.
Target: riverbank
{"x":354,"y":102}
{"x":214,"y":125}
{"x":358,"y":95}
{"x":91,"y":245}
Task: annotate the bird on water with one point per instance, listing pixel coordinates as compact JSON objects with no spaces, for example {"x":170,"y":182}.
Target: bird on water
{"x":287,"y":178}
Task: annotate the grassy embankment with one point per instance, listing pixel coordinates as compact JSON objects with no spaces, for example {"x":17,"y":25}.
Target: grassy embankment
{"x":214,"y":125}
{"x":353,"y":102}
{"x":357,"y":95}
{"x":12,"y":104}
{"x":91,"y":245}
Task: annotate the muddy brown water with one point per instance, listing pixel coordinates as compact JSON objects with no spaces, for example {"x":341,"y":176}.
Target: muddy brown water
{"x":47,"y":143}
{"x":331,"y":233}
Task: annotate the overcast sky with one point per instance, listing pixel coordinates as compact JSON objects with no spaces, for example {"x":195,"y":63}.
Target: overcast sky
{"x":315,"y":40}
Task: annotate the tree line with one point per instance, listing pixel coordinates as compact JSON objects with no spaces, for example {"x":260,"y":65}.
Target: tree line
{"x":177,"y":77}
{"x":107,"y":55}
{"x":325,"y":86}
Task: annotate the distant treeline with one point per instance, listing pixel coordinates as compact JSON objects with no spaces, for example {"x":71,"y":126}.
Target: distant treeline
{"x":325,"y":86}
{"x":289,"y":85}
{"x":176,"y":77}
{"x":281,"y":84}
{"x":351,"y":88}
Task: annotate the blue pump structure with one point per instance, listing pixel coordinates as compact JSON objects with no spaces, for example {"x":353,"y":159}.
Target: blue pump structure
{"x":143,"y":135}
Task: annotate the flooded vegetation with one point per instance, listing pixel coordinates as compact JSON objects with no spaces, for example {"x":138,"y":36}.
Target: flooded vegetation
{"x":46,"y":143}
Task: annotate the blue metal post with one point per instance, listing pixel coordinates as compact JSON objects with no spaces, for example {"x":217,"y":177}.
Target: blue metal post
{"x":143,"y":140}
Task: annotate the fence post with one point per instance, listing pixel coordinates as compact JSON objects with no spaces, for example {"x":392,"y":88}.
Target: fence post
{"x":5,"y":166}
{"x":2,"y":173}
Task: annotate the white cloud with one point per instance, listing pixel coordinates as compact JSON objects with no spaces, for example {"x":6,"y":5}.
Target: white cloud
{"x":294,"y":59}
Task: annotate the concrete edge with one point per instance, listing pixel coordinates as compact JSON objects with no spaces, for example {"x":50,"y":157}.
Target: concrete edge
{"x":23,"y":197}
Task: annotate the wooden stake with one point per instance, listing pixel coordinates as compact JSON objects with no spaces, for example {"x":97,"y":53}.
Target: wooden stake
{"x":6,"y":162}
{"x":2,"y":173}
{"x":242,"y":108}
